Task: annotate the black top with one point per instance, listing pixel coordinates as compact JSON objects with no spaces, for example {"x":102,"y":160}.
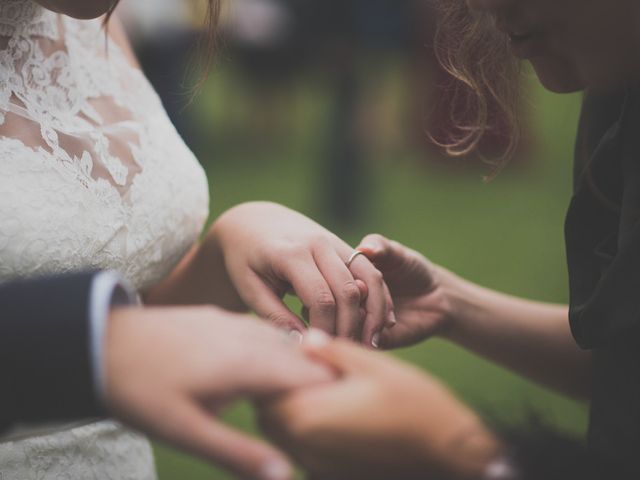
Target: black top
{"x":603,"y":252}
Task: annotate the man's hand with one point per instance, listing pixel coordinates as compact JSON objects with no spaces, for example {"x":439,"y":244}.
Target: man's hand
{"x":168,"y":370}
{"x":382,"y":420}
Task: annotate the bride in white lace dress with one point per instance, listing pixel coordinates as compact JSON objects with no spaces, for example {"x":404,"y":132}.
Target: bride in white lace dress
{"x":85,"y":184}
{"x":94,"y":176}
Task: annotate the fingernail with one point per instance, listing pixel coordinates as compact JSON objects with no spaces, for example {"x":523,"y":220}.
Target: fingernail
{"x":367,"y":247}
{"x":316,"y":338}
{"x":296,"y":336}
{"x":276,"y":470}
{"x":392,"y":317}
{"x":375,"y":340}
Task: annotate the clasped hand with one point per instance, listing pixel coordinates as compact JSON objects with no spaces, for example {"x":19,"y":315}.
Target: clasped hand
{"x":380,"y":420}
{"x":251,"y":257}
{"x":270,"y":250}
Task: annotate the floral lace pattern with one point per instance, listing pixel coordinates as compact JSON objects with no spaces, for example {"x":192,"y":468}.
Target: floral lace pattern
{"x":93,"y":176}
{"x":93,"y":173}
{"x":103,"y":450}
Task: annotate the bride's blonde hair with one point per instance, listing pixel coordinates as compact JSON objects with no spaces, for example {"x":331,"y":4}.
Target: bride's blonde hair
{"x":485,"y":93}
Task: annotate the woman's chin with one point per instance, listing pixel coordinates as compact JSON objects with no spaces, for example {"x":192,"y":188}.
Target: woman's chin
{"x":557,"y":75}
{"x":561,"y":87}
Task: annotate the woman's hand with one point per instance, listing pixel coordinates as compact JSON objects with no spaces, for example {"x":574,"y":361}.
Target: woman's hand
{"x":269,"y":250}
{"x":383,"y":419}
{"x":168,"y":371}
{"x":417,"y":288}
{"x":522,"y":335}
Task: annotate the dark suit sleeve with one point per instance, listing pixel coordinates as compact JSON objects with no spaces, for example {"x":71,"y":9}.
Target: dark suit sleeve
{"x":44,"y":350}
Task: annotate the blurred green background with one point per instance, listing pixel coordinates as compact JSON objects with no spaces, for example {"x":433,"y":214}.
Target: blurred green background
{"x":506,"y":234}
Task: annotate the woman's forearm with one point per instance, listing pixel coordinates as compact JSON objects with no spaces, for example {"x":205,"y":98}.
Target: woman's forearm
{"x":530,"y":338}
{"x":200,"y":278}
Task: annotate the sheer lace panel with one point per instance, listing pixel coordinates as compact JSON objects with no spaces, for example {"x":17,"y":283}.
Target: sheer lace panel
{"x":93,"y":173}
{"x":61,"y":97}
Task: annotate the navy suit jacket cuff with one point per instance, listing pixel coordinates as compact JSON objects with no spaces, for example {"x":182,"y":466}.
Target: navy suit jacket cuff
{"x":45,"y":357}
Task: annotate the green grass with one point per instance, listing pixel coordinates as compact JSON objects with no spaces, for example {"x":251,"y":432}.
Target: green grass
{"x":506,"y":234}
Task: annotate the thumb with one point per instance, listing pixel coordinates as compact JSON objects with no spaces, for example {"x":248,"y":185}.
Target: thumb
{"x":344,"y":356}
{"x":374,"y":246}
{"x":387,"y":255}
{"x":201,"y":435}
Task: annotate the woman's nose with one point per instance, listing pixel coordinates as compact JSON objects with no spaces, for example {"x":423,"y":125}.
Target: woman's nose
{"x":489,"y":6}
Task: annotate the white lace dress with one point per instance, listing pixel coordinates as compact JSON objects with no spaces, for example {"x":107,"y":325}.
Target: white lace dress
{"x":92,"y":176}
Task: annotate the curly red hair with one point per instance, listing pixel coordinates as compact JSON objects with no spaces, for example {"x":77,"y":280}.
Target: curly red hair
{"x":485,"y":91}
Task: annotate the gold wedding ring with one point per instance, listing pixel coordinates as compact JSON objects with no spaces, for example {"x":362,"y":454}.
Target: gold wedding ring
{"x":353,"y":256}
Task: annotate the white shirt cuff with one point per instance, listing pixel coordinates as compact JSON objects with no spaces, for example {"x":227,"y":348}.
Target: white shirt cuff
{"x":108,"y":289}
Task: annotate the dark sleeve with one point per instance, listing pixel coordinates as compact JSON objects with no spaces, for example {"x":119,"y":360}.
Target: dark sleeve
{"x":45,"y":362}
{"x":542,"y":453}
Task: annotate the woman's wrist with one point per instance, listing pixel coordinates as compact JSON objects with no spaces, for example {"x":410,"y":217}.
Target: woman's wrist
{"x":454,"y":298}
{"x":200,"y":278}
{"x":211,"y":268}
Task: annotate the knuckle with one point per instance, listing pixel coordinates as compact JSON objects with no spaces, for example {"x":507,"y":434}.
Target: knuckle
{"x":297,"y":251}
{"x":319,"y":241}
{"x":325,"y":303}
{"x":351,"y":292}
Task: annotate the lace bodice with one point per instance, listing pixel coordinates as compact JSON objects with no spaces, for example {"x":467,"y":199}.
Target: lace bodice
{"x":92,"y":175}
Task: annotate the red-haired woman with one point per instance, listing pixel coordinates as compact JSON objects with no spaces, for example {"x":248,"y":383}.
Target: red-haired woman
{"x":589,"y":349}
